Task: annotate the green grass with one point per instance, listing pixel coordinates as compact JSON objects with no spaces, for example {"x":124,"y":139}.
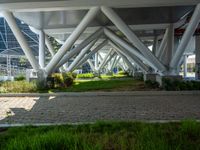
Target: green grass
{"x":85,"y":76}
{"x":103,"y":85}
{"x":114,"y":76}
{"x":104,"y":136}
{"x":106,"y":84}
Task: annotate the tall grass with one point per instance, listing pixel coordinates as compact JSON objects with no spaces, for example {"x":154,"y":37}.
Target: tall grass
{"x":105,"y":136}
{"x":18,"y":87}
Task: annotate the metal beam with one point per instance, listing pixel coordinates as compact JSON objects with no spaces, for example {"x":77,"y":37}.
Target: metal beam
{"x":128,"y":47}
{"x":59,"y":5}
{"x":21,"y":39}
{"x":71,"y":39}
{"x":100,"y":46}
{"x":91,"y":65}
{"x":77,"y":49}
{"x":41,"y":49}
{"x":170,"y":45}
{"x":120,"y":24}
{"x":162,"y":44}
{"x":80,"y":56}
{"x":105,"y":58}
{"x":155,"y":45}
{"x":185,"y":66}
{"x":197,"y":61}
{"x":96,"y":61}
{"x":130,"y":57}
{"x":108,"y":61}
{"x":116,"y":62}
{"x":63,"y":29}
{"x":113,"y":63}
{"x":128,"y":63}
{"x":49,"y":46}
{"x":194,"y":22}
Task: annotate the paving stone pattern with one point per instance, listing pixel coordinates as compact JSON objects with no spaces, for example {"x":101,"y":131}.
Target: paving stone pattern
{"x":90,"y":108}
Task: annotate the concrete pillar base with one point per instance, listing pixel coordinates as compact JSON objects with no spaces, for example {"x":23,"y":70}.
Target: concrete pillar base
{"x":153,"y":77}
{"x":41,"y":78}
{"x":197,"y":52}
{"x":197,"y":73}
{"x":138,"y":75}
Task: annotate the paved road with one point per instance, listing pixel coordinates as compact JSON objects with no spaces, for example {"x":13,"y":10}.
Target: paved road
{"x":90,"y":107}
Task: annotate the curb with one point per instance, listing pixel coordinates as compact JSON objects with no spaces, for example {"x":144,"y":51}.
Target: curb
{"x":79,"y":94}
{"x":82,"y":123}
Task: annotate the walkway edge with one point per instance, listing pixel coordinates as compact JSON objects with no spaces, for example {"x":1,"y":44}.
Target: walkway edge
{"x":79,"y":94}
{"x":82,"y":123}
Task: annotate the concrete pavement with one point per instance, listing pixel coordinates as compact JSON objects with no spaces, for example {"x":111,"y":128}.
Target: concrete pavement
{"x":64,"y":108}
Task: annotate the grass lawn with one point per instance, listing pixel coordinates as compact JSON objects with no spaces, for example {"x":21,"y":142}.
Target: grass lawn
{"x":104,"y":136}
{"x":124,"y":84}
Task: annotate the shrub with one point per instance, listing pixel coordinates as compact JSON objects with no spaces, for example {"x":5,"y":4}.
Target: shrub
{"x":178,"y":85}
{"x":58,"y":79}
{"x":166,"y":84}
{"x":151,"y":84}
{"x":63,"y":80}
{"x":50,"y":82}
{"x":74,"y":75}
{"x":68,"y":79}
{"x":20,"y":78}
{"x":85,"y":75}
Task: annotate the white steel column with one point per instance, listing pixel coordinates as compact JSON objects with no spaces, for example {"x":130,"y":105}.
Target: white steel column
{"x":162,"y":44}
{"x":194,"y":22}
{"x":91,"y":65}
{"x":80,"y":56}
{"x":121,"y":65}
{"x":77,"y":49}
{"x":131,"y":57}
{"x":105,"y":58}
{"x":170,"y":46}
{"x":124,"y":58}
{"x":108,"y":61}
{"x":71,"y":39}
{"x":197,"y":52}
{"x":42,"y":49}
{"x":155,"y":45}
{"x":96,"y":61}
{"x":176,"y":43}
{"x":132,"y":38}
{"x":100,"y":58}
{"x":21,"y":39}
{"x":185,"y":66}
{"x":128,"y":47}
{"x":49,"y":46}
{"x":100,"y":46}
{"x":113,"y":62}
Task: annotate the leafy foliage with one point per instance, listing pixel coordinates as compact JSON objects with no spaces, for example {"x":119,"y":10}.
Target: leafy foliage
{"x":179,"y":85}
{"x":63,"y":79}
{"x":20,"y":78}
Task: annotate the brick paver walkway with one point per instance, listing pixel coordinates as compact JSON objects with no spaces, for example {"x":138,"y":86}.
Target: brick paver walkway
{"x":89,"y":107}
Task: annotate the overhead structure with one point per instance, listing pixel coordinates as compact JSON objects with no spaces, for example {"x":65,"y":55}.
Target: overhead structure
{"x":131,"y":34}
